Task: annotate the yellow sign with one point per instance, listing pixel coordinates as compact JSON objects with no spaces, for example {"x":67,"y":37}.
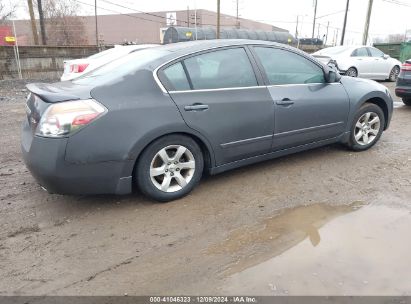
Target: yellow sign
{"x":289,"y":40}
{"x":10,"y":39}
{"x":189,"y":34}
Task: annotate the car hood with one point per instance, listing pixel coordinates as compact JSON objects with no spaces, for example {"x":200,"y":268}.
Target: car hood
{"x":351,"y":83}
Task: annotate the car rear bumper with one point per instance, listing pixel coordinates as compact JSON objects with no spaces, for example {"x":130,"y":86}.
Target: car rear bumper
{"x":45,"y":158}
{"x":403,"y":91}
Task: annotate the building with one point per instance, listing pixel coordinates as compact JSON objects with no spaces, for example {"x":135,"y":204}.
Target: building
{"x":147,"y":27}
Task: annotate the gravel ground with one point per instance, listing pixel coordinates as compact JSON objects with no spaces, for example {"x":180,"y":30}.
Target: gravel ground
{"x":326,"y":221}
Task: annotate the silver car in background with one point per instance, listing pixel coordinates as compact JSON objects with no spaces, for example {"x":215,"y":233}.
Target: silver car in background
{"x":360,"y":61}
{"x":78,"y":67}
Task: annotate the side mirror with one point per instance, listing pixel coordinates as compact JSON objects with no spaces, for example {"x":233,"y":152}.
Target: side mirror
{"x":385,"y":56}
{"x":332,"y":75}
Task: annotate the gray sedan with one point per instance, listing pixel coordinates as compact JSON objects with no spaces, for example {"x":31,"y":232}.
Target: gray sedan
{"x":160,"y":118}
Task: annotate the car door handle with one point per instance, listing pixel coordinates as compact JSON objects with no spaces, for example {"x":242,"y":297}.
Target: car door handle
{"x":285,"y":102}
{"x":196,"y":107}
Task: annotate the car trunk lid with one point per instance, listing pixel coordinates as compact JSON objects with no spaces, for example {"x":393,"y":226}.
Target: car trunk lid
{"x":404,"y":79}
{"x":323,"y":59}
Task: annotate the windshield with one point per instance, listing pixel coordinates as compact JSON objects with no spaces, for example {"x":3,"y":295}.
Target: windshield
{"x":120,"y":67}
{"x":333,"y":50}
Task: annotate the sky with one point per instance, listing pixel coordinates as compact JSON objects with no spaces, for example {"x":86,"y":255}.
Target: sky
{"x":388,"y":16}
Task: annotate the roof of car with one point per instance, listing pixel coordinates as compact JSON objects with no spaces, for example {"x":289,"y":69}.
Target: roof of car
{"x":198,"y":45}
{"x":182,"y":48}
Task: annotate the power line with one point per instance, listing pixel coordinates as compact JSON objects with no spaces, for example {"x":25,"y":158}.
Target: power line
{"x":398,"y":3}
{"x":117,"y":12}
{"x":335,"y":13}
{"x":138,"y":11}
{"x":141,"y":12}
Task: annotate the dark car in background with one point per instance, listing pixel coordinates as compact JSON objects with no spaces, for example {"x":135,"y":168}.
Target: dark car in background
{"x":403,"y":88}
{"x":161,"y":117}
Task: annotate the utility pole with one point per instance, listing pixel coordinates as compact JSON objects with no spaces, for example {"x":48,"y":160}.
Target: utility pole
{"x":315,"y":16}
{"x":336,"y":37}
{"x":318,"y":31}
{"x":367,"y":22}
{"x":237,"y":15}
{"x":345,"y":22}
{"x":296,"y":29}
{"x":188,"y":16}
{"x":326,"y":35}
{"x":33,"y":22}
{"x":95,"y":18}
{"x":16,"y":51}
{"x":195,"y":18}
{"x":218,"y":19}
{"x":42,"y":28}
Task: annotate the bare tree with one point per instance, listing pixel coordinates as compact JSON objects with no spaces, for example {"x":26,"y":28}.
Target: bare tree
{"x":6,"y":12}
{"x":63,"y":25}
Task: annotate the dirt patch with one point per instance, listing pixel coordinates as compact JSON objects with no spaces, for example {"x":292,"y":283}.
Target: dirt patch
{"x":108,"y":245}
{"x":24,"y":230}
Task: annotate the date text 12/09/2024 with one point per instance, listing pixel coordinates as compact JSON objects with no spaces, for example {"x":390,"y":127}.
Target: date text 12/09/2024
{"x":203,"y":299}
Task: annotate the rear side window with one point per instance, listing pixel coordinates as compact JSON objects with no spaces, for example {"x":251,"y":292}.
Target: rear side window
{"x":361,"y":52}
{"x":284,"y":67}
{"x":375,"y":52}
{"x":221,"y":69}
{"x":176,"y":77}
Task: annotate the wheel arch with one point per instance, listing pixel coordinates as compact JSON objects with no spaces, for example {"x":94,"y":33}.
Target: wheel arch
{"x":382,"y":105}
{"x":352,"y":67}
{"x":205,"y":146}
{"x":394,"y":66}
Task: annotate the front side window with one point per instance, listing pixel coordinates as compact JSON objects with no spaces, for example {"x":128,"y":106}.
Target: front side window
{"x":284,"y":67}
{"x":375,"y":52}
{"x":361,"y":52}
{"x":227,"y":68}
{"x":176,"y":77}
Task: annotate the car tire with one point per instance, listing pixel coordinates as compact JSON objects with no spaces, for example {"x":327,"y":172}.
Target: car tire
{"x":164,"y":176}
{"x":365,"y":131}
{"x":407,"y":101}
{"x":394,"y":74}
{"x":352,"y":72}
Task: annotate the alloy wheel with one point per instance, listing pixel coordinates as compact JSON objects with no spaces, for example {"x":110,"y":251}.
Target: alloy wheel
{"x":172,"y":168}
{"x":394,"y":73}
{"x":367,"y":128}
{"x":351,"y":72}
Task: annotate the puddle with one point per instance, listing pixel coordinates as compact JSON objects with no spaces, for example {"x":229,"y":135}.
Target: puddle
{"x":321,"y":250}
{"x":277,"y":234}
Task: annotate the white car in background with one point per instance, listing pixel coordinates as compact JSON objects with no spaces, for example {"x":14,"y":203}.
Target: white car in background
{"x":360,"y":61}
{"x":77,"y":67}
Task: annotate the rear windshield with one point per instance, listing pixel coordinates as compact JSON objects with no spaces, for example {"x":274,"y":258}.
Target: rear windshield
{"x":120,"y":67}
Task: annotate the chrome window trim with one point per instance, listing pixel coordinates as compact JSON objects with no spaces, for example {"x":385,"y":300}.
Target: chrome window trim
{"x":218,"y":89}
{"x":253,"y":87}
{"x":302,"y":84}
{"x":163,"y":89}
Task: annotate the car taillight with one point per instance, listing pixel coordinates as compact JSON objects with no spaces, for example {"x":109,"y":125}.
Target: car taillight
{"x":78,"y":67}
{"x":64,"y":118}
{"x":406,"y":67}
